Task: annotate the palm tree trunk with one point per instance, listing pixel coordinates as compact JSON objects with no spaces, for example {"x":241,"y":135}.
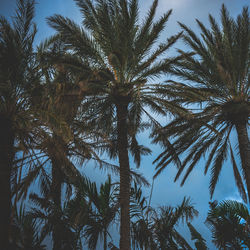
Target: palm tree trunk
{"x":6,"y":161}
{"x":105,"y":240}
{"x":122,"y":138}
{"x":56,"y":196}
{"x":244,"y":147}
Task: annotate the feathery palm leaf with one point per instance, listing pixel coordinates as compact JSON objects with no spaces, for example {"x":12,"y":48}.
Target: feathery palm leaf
{"x":217,"y":84}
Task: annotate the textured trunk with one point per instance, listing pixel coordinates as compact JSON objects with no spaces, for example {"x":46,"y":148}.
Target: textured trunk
{"x":105,"y":240}
{"x":56,"y":196}
{"x":6,"y":160}
{"x":122,"y":130}
{"x":244,"y":147}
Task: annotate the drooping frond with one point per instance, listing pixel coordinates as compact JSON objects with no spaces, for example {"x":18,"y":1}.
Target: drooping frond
{"x":215,"y":96}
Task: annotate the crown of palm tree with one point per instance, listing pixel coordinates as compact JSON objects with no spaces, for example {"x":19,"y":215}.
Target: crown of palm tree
{"x":217,"y":78}
{"x":156,"y":228}
{"x":229,"y":223}
{"x":117,"y":53}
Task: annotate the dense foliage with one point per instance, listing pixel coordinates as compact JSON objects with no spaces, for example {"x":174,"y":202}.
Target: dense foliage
{"x":88,"y":92}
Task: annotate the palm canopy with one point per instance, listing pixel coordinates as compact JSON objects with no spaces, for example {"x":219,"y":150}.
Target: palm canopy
{"x":54,"y":217}
{"x":115,"y":58}
{"x":217,"y":78}
{"x":156,"y":228}
{"x":101,"y":207}
{"x":229,"y":223}
{"x":116,"y":54}
{"x":25,"y":231}
{"x":59,"y":140}
{"x":18,"y":76}
{"x":167,"y":219}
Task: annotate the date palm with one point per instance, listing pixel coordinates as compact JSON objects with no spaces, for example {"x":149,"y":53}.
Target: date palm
{"x":217,"y":78}
{"x":17,"y":77}
{"x":53,"y":218}
{"x":116,"y":52}
{"x":229,"y":222}
{"x":59,"y":139}
{"x":166,"y":220}
{"x":156,"y":228}
{"x":94,"y":210}
{"x":25,"y":233}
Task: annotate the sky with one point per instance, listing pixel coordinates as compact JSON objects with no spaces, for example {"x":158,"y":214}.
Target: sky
{"x":165,"y":191}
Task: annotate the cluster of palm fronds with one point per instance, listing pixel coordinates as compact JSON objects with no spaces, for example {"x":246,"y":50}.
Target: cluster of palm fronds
{"x":88,"y":217}
{"x":90,"y":90}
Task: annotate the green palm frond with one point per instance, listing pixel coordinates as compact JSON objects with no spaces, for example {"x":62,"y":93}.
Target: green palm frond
{"x":200,"y":243}
{"x":231,"y":218}
{"x":215,"y":92}
{"x":26,"y":231}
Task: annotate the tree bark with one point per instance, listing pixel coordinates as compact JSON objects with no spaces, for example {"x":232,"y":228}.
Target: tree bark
{"x":56,"y":196}
{"x":105,"y":240}
{"x":244,"y":148}
{"x":6,"y":161}
{"x":122,"y":137}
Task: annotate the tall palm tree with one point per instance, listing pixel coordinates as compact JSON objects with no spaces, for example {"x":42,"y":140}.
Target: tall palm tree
{"x":60,"y":142}
{"x":116,"y":53}
{"x":17,"y":76}
{"x":217,"y":78}
{"x":61,"y":99}
{"x":229,"y":222}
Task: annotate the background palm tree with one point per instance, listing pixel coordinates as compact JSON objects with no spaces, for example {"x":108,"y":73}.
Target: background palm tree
{"x":102,"y":208}
{"x":115,"y":51}
{"x":141,"y":223}
{"x":217,"y":78}
{"x":229,"y":222}
{"x":54,"y":143}
{"x":25,"y":233}
{"x":54,"y":219}
{"x":17,"y":78}
{"x":156,"y":228}
{"x":62,"y":139}
{"x":165,"y":221}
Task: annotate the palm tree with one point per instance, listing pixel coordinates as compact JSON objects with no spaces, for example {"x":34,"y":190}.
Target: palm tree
{"x":17,"y":77}
{"x":229,"y":222}
{"x":94,"y":211}
{"x":115,"y":52}
{"x":25,"y":231}
{"x":54,"y":219}
{"x":156,"y":228}
{"x":217,"y":78}
{"x":60,"y":142}
{"x":61,"y":100}
{"x":165,"y":221}
{"x":141,"y":223}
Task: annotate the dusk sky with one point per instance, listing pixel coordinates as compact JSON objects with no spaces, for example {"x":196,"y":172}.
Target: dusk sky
{"x":165,"y":192}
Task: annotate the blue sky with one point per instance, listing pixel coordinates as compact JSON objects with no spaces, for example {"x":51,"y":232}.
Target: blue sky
{"x":166,"y":192}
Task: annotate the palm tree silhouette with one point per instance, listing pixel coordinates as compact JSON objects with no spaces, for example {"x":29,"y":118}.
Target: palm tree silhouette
{"x":18,"y":76}
{"x":229,"y":224}
{"x":217,"y":78}
{"x":115,"y":52}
